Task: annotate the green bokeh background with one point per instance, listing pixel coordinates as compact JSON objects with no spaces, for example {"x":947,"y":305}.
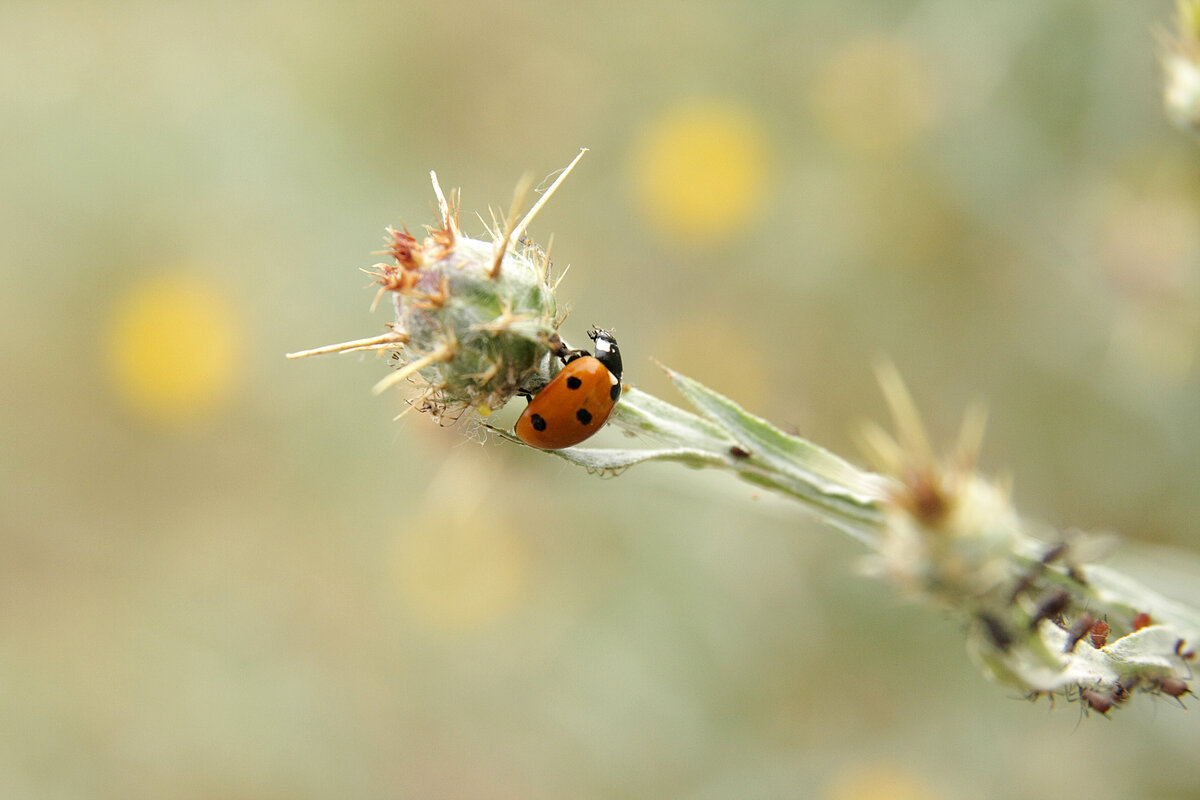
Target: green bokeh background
{"x":213,"y":609}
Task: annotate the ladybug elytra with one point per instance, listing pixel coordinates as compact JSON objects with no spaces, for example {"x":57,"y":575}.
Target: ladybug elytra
{"x":578,"y":401}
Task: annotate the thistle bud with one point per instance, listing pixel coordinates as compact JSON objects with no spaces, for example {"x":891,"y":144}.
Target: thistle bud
{"x":475,"y":321}
{"x":952,"y":537}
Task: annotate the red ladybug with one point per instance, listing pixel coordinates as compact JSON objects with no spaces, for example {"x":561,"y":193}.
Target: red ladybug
{"x":577,"y":402}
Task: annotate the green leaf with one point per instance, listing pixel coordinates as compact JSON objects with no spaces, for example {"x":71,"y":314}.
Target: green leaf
{"x":644,"y":414}
{"x":616,"y":459}
{"x":816,"y":474}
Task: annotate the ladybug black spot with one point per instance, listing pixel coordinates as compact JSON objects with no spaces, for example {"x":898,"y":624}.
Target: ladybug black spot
{"x":615,"y":392}
{"x":573,"y":382}
{"x":584,"y":416}
{"x":537,"y":422}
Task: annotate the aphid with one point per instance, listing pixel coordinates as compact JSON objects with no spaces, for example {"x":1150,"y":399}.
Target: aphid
{"x":1030,"y":576}
{"x":737,"y":451}
{"x":1099,"y":701}
{"x":1121,"y":692}
{"x":1078,"y":630}
{"x":1099,"y":633}
{"x":1141,"y":620}
{"x":1054,"y":553}
{"x":1051,"y":607}
{"x":578,"y":401}
{"x":996,"y":632}
{"x":1022,"y":586}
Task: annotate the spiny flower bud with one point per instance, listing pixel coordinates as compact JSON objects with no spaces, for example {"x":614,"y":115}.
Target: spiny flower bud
{"x":475,"y":320}
{"x":1041,"y":617}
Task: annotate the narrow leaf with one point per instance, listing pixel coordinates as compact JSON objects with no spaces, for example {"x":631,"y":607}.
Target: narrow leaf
{"x":828,"y":474}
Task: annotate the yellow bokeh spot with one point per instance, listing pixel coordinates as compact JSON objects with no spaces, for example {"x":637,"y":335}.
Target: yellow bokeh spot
{"x":699,"y":170}
{"x":877,"y":782}
{"x":461,"y":569}
{"x":171,"y":347}
{"x":875,"y":96}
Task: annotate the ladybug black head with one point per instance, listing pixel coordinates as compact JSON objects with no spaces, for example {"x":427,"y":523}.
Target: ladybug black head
{"x":607,"y":352}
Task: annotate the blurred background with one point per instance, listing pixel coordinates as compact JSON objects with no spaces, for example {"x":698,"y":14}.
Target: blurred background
{"x":223,"y":574}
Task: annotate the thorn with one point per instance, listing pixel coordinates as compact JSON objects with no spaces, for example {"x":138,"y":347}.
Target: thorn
{"x":443,"y":353}
{"x":970,"y":437}
{"x":910,"y":432}
{"x":494,"y":227}
{"x":519,"y":230}
{"x":880,"y":448}
{"x":449,"y":223}
{"x":508,"y":238}
{"x":544,"y":264}
{"x":401,"y":415}
{"x":558,"y":280}
{"x":391,"y":339}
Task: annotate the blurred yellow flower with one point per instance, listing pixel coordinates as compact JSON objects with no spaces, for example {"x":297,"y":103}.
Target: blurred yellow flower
{"x":879,"y":781}
{"x":461,"y":564}
{"x":699,"y":170}
{"x":875,"y":95}
{"x":171,"y":347}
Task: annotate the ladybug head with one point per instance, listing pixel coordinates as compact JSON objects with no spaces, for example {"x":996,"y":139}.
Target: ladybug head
{"x":607,"y":352}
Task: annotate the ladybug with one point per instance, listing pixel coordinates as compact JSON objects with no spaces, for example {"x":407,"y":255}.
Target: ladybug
{"x":577,"y":402}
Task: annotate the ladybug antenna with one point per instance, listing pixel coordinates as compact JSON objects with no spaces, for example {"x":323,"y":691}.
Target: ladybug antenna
{"x":607,"y":352}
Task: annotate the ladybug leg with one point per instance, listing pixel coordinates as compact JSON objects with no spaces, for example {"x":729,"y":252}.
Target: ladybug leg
{"x":557,"y":346}
{"x":532,"y":386}
{"x":559,"y":349}
{"x":570,"y":355}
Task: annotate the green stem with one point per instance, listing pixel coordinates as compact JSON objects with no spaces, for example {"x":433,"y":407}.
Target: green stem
{"x":728,"y":437}
{"x":943,"y":534}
